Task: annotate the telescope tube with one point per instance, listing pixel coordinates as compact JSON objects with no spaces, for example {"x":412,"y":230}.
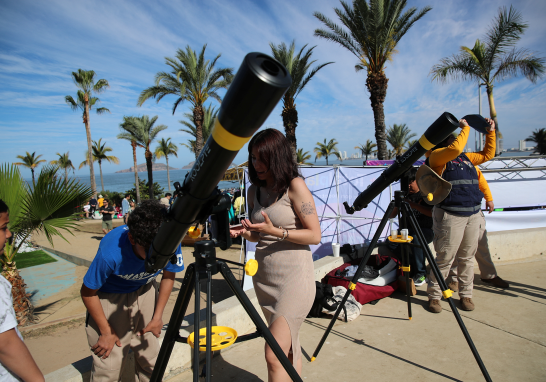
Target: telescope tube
{"x":436,"y":133}
{"x":258,"y":86}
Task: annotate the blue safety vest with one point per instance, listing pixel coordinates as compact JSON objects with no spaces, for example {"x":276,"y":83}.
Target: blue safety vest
{"x":465,"y":197}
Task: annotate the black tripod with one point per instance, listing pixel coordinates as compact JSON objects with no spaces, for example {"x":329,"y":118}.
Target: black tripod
{"x":407,"y":216}
{"x":205,"y":266}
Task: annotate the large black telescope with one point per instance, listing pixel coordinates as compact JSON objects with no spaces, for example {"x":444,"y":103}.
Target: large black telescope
{"x":258,"y":86}
{"x":436,"y":133}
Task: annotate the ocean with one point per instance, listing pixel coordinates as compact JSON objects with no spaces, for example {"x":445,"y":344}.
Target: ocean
{"x":122,"y":182}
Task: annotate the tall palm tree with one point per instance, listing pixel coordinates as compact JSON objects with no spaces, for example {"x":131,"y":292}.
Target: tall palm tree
{"x":164,"y":149}
{"x":539,"y":137}
{"x":144,"y":131}
{"x":130,"y":133}
{"x":398,"y":136}
{"x":298,"y":66}
{"x":210,"y":114}
{"x":47,"y":208}
{"x":64,"y":163}
{"x":192,"y":79}
{"x":31,"y":161}
{"x":326,"y":149}
{"x":373,"y":32}
{"x":367,"y":149}
{"x":303,"y":157}
{"x":493,"y":60}
{"x":85,"y":82}
{"x":100,"y":153}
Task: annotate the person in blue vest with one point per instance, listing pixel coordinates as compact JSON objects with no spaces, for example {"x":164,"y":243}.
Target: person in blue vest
{"x":123,"y":302}
{"x":458,"y":219}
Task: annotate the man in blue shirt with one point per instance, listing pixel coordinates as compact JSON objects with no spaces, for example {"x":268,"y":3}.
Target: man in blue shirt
{"x":124,"y":306}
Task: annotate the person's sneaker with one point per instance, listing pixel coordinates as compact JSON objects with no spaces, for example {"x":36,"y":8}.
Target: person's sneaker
{"x":454,"y":286}
{"x":467,"y":304}
{"x":497,"y":282}
{"x":419,"y":280}
{"x":434,"y":306}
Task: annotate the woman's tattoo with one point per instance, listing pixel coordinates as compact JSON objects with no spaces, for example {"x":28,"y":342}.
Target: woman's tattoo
{"x":307,"y":209}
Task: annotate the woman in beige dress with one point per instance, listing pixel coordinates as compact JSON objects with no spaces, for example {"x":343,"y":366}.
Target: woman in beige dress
{"x":283,"y":221}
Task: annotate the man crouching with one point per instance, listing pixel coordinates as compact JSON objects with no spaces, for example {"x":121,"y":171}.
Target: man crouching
{"x":123,"y":304}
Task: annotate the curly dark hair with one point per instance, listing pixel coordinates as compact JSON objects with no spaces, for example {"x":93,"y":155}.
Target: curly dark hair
{"x":145,"y":220}
{"x":275,"y":151}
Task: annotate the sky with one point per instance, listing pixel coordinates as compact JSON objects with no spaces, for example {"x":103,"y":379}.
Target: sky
{"x":126,"y":42}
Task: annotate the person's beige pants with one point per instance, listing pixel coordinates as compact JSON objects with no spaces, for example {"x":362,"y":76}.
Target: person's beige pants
{"x":127,"y":314}
{"x":455,"y":237}
{"x":483,"y":257}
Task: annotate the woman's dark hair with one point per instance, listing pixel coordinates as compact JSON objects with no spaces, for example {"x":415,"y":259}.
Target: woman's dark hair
{"x":275,"y":151}
{"x":411,"y":174}
{"x":3,"y":207}
{"x":145,"y":220}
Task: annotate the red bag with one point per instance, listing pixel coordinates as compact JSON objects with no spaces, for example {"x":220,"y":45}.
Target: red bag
{"x":363,"y":293}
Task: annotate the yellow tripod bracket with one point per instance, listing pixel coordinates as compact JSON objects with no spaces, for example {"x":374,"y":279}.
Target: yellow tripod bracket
{"x":447,"y":293}
{"x":221,"y":337}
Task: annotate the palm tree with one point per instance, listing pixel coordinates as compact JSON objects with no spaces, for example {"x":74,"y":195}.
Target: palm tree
{"x":298,"y":66}
{"x":129,"y":133}
{"x":303,"y":157}
{"x":398,"y":136}
{"x":48,"y":208}
{"x":191,"y":79}
{"x":64,"y":163}
{"x":143,"y":131}
{"x":164,"y":149}
{"x":208,"y":123}
{"x":31,"y":161}
{"x":411,"y":142}
{"x":374,"y":30}
{"x":367,"y":149}
{"x":326,"y":149}
{"x":493,"y":60}
{"x":100,"y":153}
{"x":539,"y":137}
{"x":85,"y":82}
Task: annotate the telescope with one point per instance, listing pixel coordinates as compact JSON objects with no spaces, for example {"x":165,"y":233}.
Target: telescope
{"x":258,"y":86}
{"x":436,"y":133}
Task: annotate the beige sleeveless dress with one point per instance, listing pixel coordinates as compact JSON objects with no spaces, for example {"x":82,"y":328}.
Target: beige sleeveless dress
{"x":285,"y":281}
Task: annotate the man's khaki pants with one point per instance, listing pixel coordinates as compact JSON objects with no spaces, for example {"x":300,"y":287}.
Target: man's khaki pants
{"x":483,"y":257}
{"x":127,"y":314}
{"x":455,"y":237}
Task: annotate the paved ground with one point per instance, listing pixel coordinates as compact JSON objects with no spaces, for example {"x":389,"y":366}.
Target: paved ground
{"x":507,"y":328}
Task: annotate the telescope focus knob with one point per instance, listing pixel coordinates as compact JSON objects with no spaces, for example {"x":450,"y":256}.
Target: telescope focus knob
{"x":194,"y":232}
{"x":430,"y":197}
{"x":251,"y":267}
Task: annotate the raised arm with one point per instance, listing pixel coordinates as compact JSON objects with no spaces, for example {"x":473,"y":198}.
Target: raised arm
{"x":488,"y":151}
{"x":439,"y":157}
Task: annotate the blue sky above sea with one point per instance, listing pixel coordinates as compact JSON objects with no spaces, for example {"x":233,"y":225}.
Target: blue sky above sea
{"x":126,"y":42}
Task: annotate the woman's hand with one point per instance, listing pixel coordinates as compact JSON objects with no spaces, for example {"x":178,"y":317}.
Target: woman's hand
{"x":265,"y":227}
{"x":236,"y":232}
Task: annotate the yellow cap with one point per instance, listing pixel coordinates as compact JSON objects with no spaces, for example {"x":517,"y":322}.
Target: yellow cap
{"x":251,"y":267}
{"x":313,"y":358}
{"x":194,"y":232}
{"x":430,"y":197}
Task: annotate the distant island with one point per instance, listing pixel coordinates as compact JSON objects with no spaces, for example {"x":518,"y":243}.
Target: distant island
{"x":142,"y":168}
{"x":189,"y":165}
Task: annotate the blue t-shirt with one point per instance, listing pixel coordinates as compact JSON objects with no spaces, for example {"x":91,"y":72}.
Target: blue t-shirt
{"x":117,"y":269}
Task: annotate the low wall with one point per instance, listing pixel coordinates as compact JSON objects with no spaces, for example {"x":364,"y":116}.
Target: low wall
{"x":504,"y":246}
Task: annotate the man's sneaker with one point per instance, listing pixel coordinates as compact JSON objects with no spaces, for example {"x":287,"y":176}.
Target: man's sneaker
{"x":454,"y":286}
{"x":467,"y":304}
{"x":419,"y":280}
{"x":497,"y":282}
{"x":434,"y":306}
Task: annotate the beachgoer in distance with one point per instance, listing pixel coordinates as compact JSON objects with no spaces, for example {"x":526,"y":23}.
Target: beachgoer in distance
{"x":283,"y":221}
{"x":93,"y":203}
{"x":100,"y":201}
{"x":125,"y":207}
{"x":16,"y":362}
{"x":458,"y":219}
{"x":124,"y":307}
{"x":107,"y":211}
{"x":423,"y":215}
{"x":166,"y":201}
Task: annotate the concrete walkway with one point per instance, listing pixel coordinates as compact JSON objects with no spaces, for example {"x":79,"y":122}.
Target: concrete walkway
{"x":382,"y":345}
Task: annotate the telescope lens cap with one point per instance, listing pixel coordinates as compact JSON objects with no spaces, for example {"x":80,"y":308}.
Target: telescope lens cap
{"x":477,"y":122}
